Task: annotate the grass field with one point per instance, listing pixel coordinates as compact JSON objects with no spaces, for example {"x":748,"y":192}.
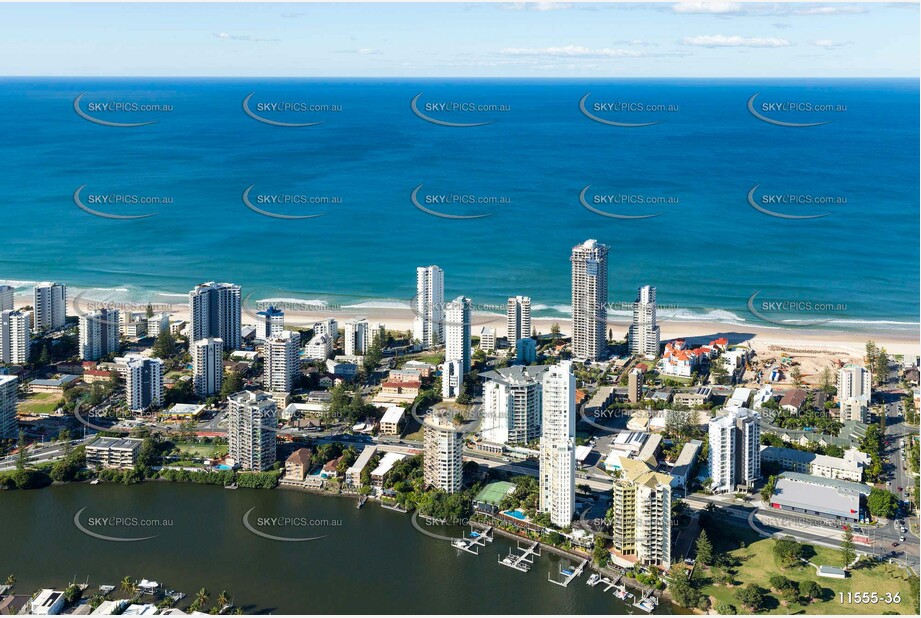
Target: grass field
{"x":202,"y":450}
{"x":758,"y":564}
{"x":39,"y":403}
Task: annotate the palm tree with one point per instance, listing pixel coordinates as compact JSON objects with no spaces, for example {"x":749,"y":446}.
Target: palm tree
{"x":10,"y":580}
{"x":128,"y":584}
{"x":202,"y":597}
{"x":223,"y":599}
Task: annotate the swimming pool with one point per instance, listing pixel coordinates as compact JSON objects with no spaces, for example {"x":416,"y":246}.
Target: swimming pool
{"x":516,"y":514}
{"x":223,"y":467}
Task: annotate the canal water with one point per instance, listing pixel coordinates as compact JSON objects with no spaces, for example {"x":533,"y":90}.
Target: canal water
{"x":360,"y":561}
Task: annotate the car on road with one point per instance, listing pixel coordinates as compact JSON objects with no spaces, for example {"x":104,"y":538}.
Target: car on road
{"x":899,"y":488}
{"x":895,"y":544}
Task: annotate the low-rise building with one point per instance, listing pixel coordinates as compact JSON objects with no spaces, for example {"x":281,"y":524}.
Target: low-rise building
{"x":297,"y":465}
{"x":693,"y":399}
{"x":684,"y":465}
{"x":105,"y":452}
{"x":793,"y":400}
{"x":390,"y":422}
{"x":342,"y":370}
{"x":488,"y":339}
{"x":353,"y":474}
{"x":52,"y":385}
{"x":318,"y":348}
{"x":384,"y":467}
{"x":47,"y":602}
{"x":811,"y":495}
{"x":794,"y":460}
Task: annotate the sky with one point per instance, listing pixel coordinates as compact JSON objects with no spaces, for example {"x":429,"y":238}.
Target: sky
{"x":533,"y":40}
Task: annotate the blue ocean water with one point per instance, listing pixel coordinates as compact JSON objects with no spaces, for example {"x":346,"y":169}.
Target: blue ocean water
{"x":707,"y":251}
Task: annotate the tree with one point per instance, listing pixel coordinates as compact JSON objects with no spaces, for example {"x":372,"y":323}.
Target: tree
{"x":881,"y":367}
{"x":22,"y":452}
{"x":726,"y":609}
{"x":796,"y":375}
{"x":149,"y":310}
{"x":233,"y":383}
{"x":680,"y":588}
{"x":10,"y":580}
{"x":828,"y":384}
{"x":848,"y":551}
{"x":810,"y":590}
{"x":788,"y":551}
{"x":704,"y":549}
{"x":129,"y":585}
{"x":165,"y":345}
{"x":768,"y":490}
{"x":555,"y":331}
{"x":600,"y":555}
{"x":882,"y":503}
{"x":871,"y":353}
{"x":751,"y":596}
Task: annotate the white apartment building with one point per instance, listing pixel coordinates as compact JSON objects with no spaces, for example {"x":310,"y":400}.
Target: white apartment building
{"x":488,"y":339}
{"x":9,"y":386}
{"x":207,"y":366}
{"x":15,"y":338}
{"x":557,"y":473}
{"x":215,"y":312}
{"x":143,"y":381}
{"x":457,"y":331}
{"x":855,"y":389}
{"x":328,"y":327}
{"x":281,"y":361}
{"x":319,"y":347}
{"x":357,"y":337}
{"x":428,"y":306}
{"x":512,"y":404}
{"x":49,"y":306}
{"x":644,"y":332}
{"x":271,"y":322}
{"x":589,"y":300}
{"x":157,"y":323}
{"x":99,"y":333}
{"x":442,"y":448}
{"x":251,"y":426}
{"x":518,"y":318}
{"x":735,"y":449}
{"x":7,"y":294}
{"x":452,"y":378}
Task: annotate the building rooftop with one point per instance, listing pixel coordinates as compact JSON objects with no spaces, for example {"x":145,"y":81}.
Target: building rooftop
{"x":516,"y":375}
{"x":386,"y":463}
{"x":300,"y":457}
{"x":116,"y":443}
{"x":393,"y":414}
{"x":795,"y":398}
{"x":778,"y":452}
{"x":812,"y":493}
{"x":366,"y":454}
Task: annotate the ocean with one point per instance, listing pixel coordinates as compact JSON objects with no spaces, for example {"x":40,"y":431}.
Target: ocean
{"x":708,"y":249}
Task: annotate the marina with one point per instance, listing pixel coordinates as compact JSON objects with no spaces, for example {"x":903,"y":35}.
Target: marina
{"x":568,"y":574}
{"x":524,"y":560}
{"x":474,"y":541}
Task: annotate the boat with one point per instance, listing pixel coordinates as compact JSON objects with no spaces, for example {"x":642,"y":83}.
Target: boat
{"x":230,"y":486}
{"x":566,"y":571}
{"x":474,"y":535}
{"x":593,"y":579}
{"x":459,"y":544}
{"x":94,"y":482}
{"x":147,"y":586}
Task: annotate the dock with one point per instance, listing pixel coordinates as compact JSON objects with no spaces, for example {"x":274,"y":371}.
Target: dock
{"x":361,"y":501}
{"x":568,"y":576}
{"x":647,"y":603}
{"x":523,"y":561}
{"x":394,"y":507}
{"x":471,"y":544}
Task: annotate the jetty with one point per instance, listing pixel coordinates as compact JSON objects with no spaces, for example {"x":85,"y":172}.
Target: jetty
{"x":473,"y":542}
{"x":522,"y":561}
{"x":361,"y":501}
{"x":568,"y":574}
{"x":393,"y":507}
{"x":647,"y":603}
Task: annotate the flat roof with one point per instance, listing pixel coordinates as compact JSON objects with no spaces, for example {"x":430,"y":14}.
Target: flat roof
{"x":393,"y":414}
{"x":494,"y":492}
{"x":386,"y":463}
{"x":802,"y":491}
{"x":115,"y":443}
{"x":366,"y":454}
{"x":779,"y":452}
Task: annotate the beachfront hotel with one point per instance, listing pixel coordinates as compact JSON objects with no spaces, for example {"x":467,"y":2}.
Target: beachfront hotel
{"x":215,"y":312}
{"x":143,"y":381}
{"x":642,"y":501}
{"x":251,"y":425}
{"x":589,"y":300}
{"x":557,"y":473}
{"x":48,"y":303}
{"x":15,"y":339}
{"x":512,"y":404}
{"x":428,"y":306}
{"x":99,"y":334}
{"x":518,"y":318}
{"x":281,"y":361}
{"x":271,"y":322}
{"x":9,"y":386}
{"x":735,"y":449}
{"x":457,"y":331}
{"x":442,"y":448}
{"x":207,"y":366}
{"x":644,"y":332}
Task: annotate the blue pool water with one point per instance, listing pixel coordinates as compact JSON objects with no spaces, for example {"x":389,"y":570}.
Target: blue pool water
{"x":516,"y":514}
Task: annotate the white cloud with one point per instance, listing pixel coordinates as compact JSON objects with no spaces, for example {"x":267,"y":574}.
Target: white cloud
{"x":829,"y":44}
{"x":362,"y":51}
{"x":711,"y":8}
{"x":719,"y":40}
{"x":571,"y":51}
{"x":536,"y":6}
{"x":830,"y":10}
{"x":635,"y":42}
{"x":242,"y":37}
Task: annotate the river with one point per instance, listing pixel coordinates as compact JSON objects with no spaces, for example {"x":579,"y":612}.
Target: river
{"x":367,"y":561}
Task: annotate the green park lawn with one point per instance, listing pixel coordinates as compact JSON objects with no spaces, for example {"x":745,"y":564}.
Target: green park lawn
{"x":39,"y":403}
{"x":758,"y":564}
{"x":202,"y":450}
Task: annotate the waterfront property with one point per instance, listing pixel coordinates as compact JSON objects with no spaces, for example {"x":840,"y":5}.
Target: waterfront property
{"x":107,"y":452}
